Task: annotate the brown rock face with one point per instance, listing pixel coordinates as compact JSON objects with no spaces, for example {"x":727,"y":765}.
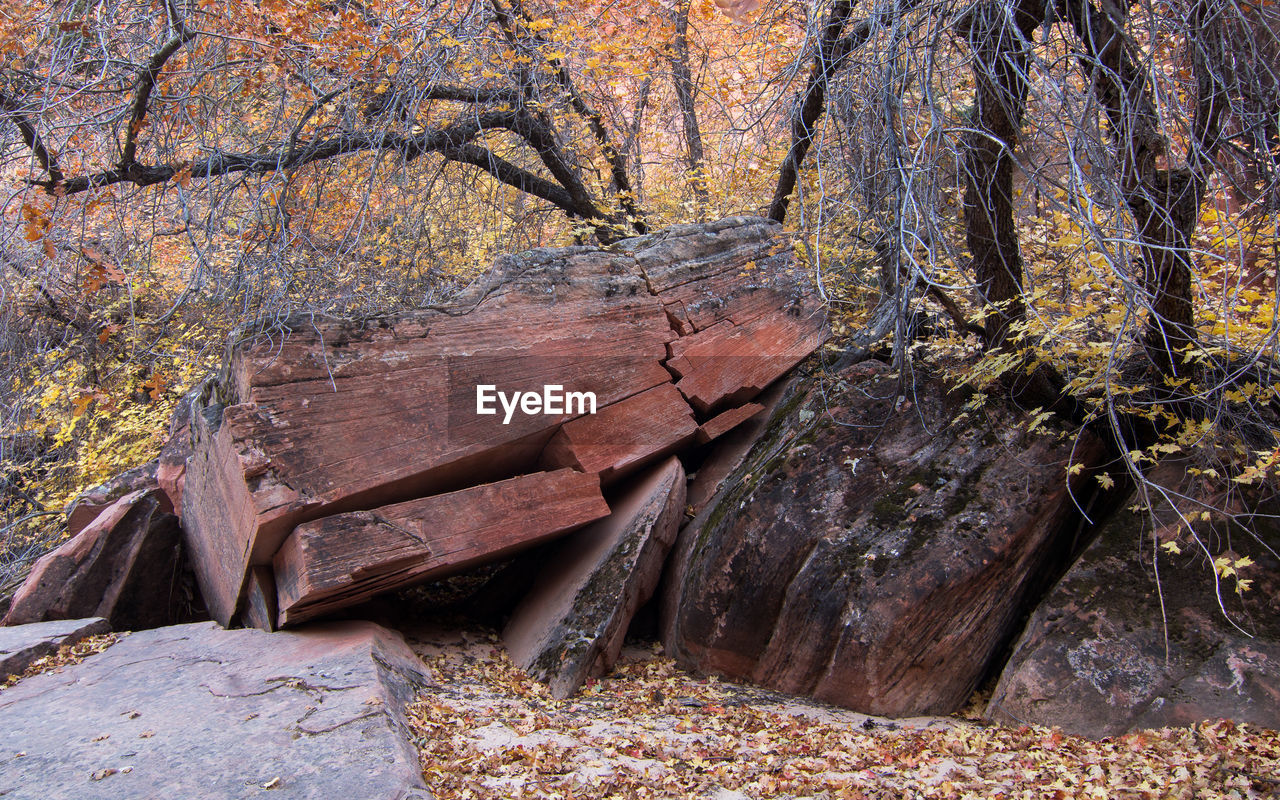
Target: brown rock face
{"x":125,"y":566}
{"x":327,"y":417}
{"x":872,"y":550}
{"x":572,"y":623}
{"x":341,"y":560}
{"x":1092,"y":659}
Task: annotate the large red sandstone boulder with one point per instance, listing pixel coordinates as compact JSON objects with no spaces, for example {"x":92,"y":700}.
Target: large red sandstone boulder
{"x":1093,"y":658}
{"x":325,"y":420}
{"x":875,"y":548}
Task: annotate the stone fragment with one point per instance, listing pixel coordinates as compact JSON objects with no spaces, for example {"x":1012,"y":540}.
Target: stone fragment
{"x":126,"y":565}
{"x":571,"y":625}
{"x":721,"y":424}
{"x":347,"y":558}
{"x":624,"y":436}
{"x":20,"y":645}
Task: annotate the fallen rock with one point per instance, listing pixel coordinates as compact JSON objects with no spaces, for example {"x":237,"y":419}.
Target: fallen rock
{"x":197,"y":711}
{"x":1092,"y":659}
{"x":873,"y":550}
{"x":344,"y":559}
{"x":20,"y":645}
{"x":571,"y":625}
{"x":324,"y":417}
{"x":125,"y":565}
{"x":87,"y":505}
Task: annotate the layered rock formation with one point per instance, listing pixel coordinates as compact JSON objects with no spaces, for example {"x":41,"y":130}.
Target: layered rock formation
{"x":336,"y":454}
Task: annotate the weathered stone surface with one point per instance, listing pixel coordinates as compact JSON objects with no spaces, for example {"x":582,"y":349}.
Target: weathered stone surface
{"x":1092,"y":659}
{"x":624,"y":436}
{"x":171,"y":464}
{"x":22,"y":644}
{"x":722,"y":423}
{"x":724,"y":454}
{"x":126,"y":566}
{"x":327,"y":417}
{"x":572,"y":623}
{"x":87,"y":505}
{"x":196,"y":711}
{"x":872,"y":550}
{"x":339,"y":417}
{"x":728,"y":364}
{"x":346,"y":558}
{"x":262,"y":606}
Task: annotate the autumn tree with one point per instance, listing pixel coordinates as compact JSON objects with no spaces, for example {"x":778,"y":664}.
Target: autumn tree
{"x":1085,"y":191}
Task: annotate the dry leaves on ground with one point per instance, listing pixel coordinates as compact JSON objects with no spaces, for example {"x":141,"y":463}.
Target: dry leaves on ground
{"x":485,"y":730}
{"x":67,"y":655}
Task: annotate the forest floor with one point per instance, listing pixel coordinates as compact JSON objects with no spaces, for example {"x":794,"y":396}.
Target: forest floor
{"x":649,"y":730}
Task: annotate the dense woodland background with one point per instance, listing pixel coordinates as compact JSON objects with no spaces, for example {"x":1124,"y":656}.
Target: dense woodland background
{"x":1072,"y":203}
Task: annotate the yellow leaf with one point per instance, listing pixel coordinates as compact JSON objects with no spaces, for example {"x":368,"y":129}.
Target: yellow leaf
{"x":1171,"y":547}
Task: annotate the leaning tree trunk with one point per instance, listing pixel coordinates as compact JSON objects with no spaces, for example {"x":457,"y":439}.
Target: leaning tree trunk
{"x":1165,"y":202}
{"x":999,"y":36}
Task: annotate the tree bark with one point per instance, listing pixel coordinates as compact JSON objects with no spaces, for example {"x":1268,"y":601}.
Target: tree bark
{"x":999,"y":36}
{"x":682,"y":77}
{"x":1165,"y":202}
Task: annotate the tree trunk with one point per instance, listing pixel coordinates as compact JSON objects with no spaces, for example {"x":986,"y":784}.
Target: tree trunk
{"x":682,"y":76}
{"x":1165,"y":203}
{"x":999,"y":36}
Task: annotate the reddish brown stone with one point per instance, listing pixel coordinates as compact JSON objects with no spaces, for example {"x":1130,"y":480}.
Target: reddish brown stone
{"x":343,"y":559}
{"x":325,"y":417}
{"x":726,"y":364}
{"x":260,"y":607}
{"x":736,"y":269}
{"x":171,"y":465}
{"x":338,"y":417}
{"x":721,"y":424}
{"x":124,"y":566}
{"x":572,"y":623}
{"x":87,"y":505}
{"x":624,"y":436}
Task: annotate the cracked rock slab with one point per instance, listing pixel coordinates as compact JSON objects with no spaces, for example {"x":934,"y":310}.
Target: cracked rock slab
{"x":197,"y":711}
{"x":322,"y":417}
{"x":20,"y":645}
